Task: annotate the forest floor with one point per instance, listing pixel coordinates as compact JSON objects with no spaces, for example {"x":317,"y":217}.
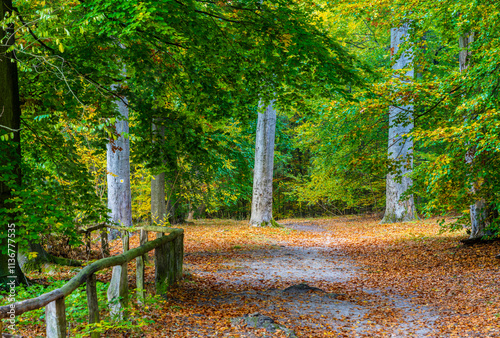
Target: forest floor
{"x":398,"y":280}
{"x":372,"y":280}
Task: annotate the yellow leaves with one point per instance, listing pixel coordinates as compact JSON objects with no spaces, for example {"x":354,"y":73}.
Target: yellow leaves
{"x":32,"y":255}
{"x":140,"y":184}
{"x":228,"y":164}
{"x":286,"y":40}
{"x":111,"y":174}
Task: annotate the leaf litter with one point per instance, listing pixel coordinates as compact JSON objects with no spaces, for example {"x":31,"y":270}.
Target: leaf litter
{"x":351,"y":276}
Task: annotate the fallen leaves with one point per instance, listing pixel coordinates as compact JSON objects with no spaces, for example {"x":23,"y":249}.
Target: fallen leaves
{"x":397,"y":279}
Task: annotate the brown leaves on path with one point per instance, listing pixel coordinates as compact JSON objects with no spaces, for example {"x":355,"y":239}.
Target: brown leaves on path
{"x":414,"y":265}
{"x":393,"y":280}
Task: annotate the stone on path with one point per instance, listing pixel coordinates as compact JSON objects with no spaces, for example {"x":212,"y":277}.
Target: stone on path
{"x":259,"y":321}
{"x":299,"y":289}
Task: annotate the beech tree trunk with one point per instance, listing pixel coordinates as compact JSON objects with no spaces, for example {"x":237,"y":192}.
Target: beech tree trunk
{"x":158,"y":207}
{"x":10,"y":152}
{"x":118,"y":167}
{"x":190,"y":215}
{"x":262,"y":198}
{"x":478,"y":208}
{"x":400,"y":145}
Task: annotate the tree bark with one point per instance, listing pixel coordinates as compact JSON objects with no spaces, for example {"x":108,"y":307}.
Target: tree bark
{"x":262,"y":198}
{"x":190,"y":214}
{"x":27,"y":265}
{"x":400,"y":151}
{"x":158,"y":206}
{"x":10,"y":120}
{"x":201,"y":209}
{"x":478,"y":208}
{"x":118,"y":167}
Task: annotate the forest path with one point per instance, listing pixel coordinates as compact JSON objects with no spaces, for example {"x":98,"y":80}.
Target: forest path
{"x":255,"y":279}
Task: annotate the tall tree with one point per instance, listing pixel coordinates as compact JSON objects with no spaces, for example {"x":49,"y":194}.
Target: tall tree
{"x":478,"y":209}
{"x":118,"y":170}
{"x":10,"y":147}
{"x":398,"y":207}
{"x":262,"y":198}
{"x":158,"y":207}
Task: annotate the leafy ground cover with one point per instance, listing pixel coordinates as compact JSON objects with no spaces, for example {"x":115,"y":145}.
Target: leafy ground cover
{"x":396,"y":280}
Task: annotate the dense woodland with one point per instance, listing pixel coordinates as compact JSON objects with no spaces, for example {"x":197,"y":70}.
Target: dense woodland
{"x":168,"y":111}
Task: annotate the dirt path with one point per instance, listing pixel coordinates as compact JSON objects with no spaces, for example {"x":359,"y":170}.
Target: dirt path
{"x":258,"y":278}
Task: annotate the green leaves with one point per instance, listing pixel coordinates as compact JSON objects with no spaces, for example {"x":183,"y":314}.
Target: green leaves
{"x":6,"y":137}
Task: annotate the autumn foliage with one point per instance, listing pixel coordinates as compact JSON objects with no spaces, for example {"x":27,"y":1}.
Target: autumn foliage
{"x":450,"y":289}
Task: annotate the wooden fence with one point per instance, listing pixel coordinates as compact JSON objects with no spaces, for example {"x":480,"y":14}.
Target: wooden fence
{"x":169,"y":252}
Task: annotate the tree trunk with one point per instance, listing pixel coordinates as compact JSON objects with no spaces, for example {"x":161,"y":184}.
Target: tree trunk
{"x":201,"y":210}
{"x":262,"y":198}
{"x":400,"y":151}
{"x":174,"y":217}
{"x":158,"y":207}
{"x":190,"y":215}
{"x":118,"y":167}
{"x":10,"y":120}
{"x":27,"y":265}
{"x":478,"y":209}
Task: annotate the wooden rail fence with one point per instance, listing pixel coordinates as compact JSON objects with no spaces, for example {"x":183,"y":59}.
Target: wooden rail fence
{"x":169,"y":253}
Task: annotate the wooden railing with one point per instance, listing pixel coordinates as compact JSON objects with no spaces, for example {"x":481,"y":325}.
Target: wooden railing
{"x":169,"y":252}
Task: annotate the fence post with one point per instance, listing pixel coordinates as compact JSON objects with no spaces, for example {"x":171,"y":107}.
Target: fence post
{"x":125,"y":241}
{"x":168,"y":263}
{"x":92,"y":303}
{"x":88,"y":244}
{"x":144,"y":240}
{"x":162,"y":261}
{"x":55,"y":319}
{"x":179,"y":256}
{"x":104,"y":243}
{"x":118,"y":291}
{"x":139,"y":277}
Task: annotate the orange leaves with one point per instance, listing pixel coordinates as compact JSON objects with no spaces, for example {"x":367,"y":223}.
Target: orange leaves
{"x":390,"y":280}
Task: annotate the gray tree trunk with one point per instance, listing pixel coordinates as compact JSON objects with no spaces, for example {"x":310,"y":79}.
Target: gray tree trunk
{"x":400,"y":145}
{"x":262,"y":198}
{"x":158,"y":206}
{"x":478,"y":209}
{"x":118,"y":167}
{"x":190,"y":215}
{"x":10,"y":120}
